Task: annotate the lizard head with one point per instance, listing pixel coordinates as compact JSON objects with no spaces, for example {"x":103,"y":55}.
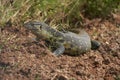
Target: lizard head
{"x":32,"y":25}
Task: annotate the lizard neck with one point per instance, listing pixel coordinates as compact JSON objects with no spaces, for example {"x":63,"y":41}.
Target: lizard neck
{"x":52,"y":31}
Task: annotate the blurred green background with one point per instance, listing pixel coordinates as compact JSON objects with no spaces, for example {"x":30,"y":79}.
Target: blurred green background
{"x":54,"y":12}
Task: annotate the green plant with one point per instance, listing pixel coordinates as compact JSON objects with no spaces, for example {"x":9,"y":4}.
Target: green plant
{"x":21,"y":10}
{"x":73,"y":11}
{"x":64,"y":12}
{"x":100,"y":8}
{"x":9,"y":11}
{"x":117,"y":77}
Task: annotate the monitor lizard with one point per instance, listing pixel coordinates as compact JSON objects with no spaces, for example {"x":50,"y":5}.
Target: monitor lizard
{"x":70,"y":42}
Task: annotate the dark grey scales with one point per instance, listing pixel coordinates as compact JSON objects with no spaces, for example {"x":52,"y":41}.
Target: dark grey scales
{"x":67,"y":41}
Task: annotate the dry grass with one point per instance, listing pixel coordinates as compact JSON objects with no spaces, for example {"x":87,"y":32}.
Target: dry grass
{"x":66,"y":12}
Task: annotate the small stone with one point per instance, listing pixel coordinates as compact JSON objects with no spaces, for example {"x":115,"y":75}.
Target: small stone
{"x":60,"y":77}
{"x":78,"y":73}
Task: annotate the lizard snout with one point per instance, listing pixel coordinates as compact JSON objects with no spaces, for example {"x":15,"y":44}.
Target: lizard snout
{"x":29,"y":25}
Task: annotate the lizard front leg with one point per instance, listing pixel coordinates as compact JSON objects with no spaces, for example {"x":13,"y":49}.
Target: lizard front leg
{"x":60,"y":50}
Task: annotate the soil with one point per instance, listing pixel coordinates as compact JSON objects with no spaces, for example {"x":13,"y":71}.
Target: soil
{"x":21,"y":58}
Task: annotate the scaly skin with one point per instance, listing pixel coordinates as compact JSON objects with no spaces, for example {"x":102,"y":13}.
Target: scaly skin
{"x":67,"y":41}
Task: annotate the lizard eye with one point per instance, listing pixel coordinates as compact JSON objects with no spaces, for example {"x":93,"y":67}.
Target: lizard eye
{"x":40,"y":26}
